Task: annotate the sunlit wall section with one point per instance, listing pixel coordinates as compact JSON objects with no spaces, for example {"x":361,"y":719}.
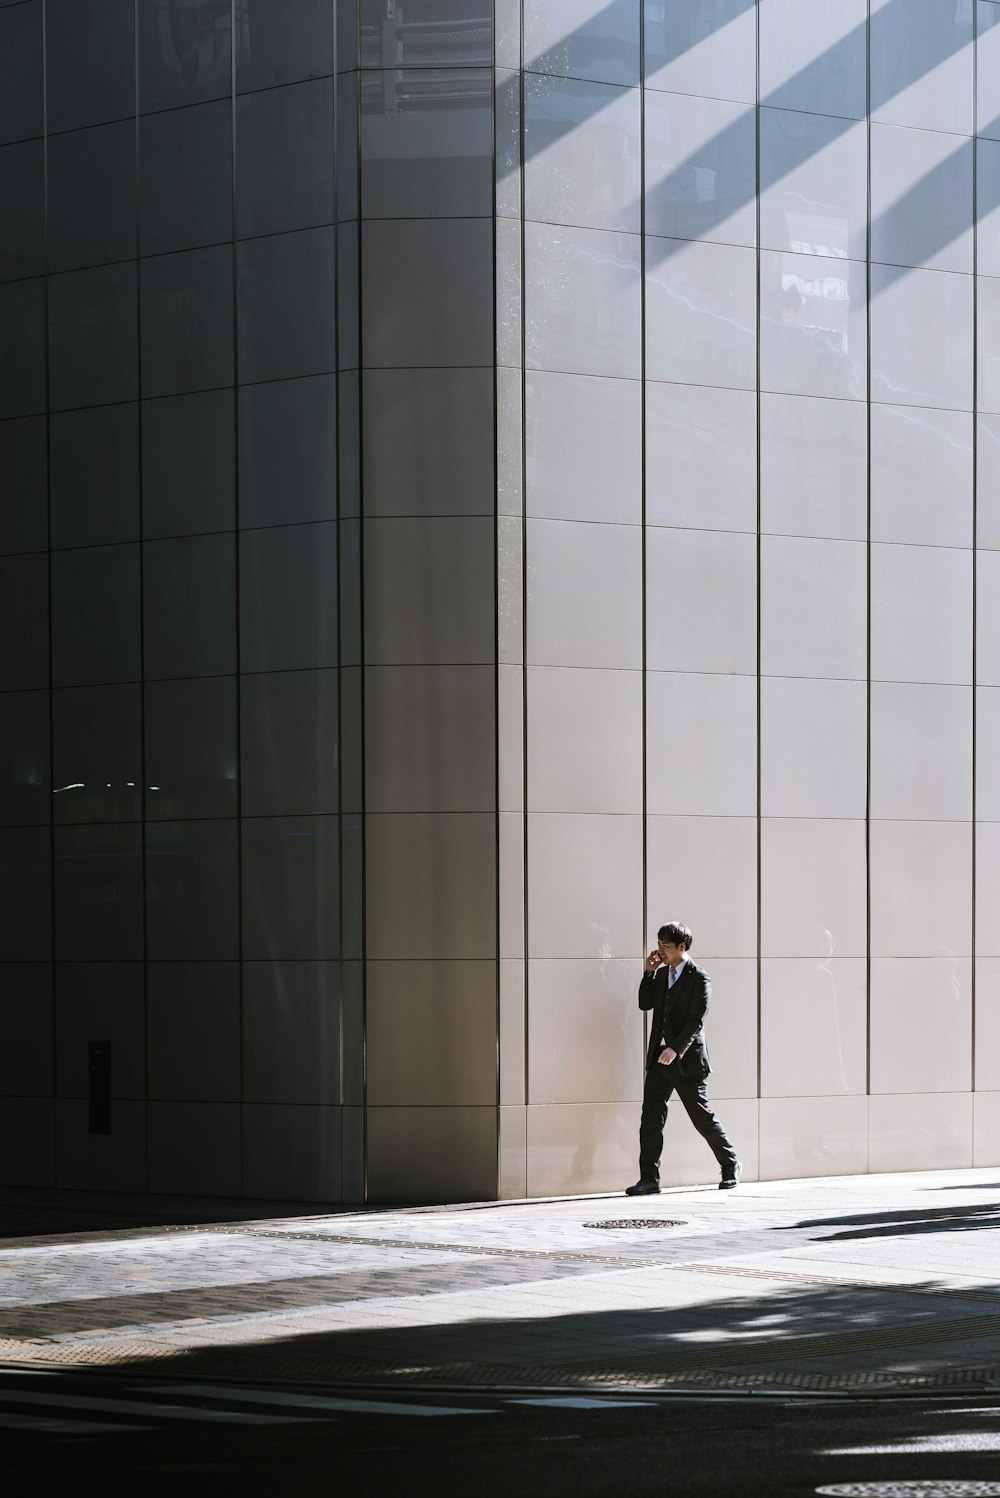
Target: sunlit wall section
{"x":430,"y":619}
{"x":583,"y":499}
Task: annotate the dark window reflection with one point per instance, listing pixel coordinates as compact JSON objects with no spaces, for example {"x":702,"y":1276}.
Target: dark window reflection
{"x":22,"y":348}
{"x":291,"y":1034}
{"x":289,"y":745}
{"x":426,"y":33}
{"x":22,"y":222}
{"x":90,"y":62}
{"x":187,"y":321}
{"x":189,"y":606}
{"x":192,"y":890}
{"x":194,"y":998}
{"x":97,"y":754}
{"x":288,"y":451}
{"x":95,"y":615}
{"x":185,"y":51}
{"x":25,"y":894}
{"x":21,"y":71}
{"x":290,"y":887}
{"x":92,"y":196}
{"x":98,"y":892}
{"x":280,"y":43}
{"x":188,"y":464}
{"x":286,"y":305}
{"x":92,"y":336}
{"x":24,"y":622}
{"x":191,"y":748}
{"x":24,"y":759}
{"x":94,"y":463}
{"x":105,"y":999}
{"x":284,"y":158}
{"x":288,"y":597}
{"x":26,"y":1055}
{"x":427,"y":143}
{"x":23,"y":522}
{"x":186,"y":162}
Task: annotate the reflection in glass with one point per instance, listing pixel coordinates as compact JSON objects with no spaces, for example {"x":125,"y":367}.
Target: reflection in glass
{"x":191,"y":748}
{"x":426,"y":147}
{"x":185,"y":52}
{"x":284,"y":158}
{"x":97,"y":754}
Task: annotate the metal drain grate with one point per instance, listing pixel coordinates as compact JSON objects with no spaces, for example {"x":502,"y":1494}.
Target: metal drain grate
{"x":638,"y":1222}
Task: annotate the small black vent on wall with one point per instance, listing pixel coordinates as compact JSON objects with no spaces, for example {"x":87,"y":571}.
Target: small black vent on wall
{"x":99,"y":1085}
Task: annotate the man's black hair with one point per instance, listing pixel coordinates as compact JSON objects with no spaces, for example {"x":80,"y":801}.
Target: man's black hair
{"x":674,"y":932}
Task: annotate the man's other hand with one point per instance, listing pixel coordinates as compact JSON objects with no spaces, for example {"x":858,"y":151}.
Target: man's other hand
{"x":666,"y":1056}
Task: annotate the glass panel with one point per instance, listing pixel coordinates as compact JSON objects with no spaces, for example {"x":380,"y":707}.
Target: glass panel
{"x":21,"y":71}
{"x":187,"y":321}
{"x":192,"y":882}
{"x":691,"y":47}
{"x":24,"y":759}
{"x":95,"y":615}
{"x":191,"y":748}
{"x":186,"y":167}
{"x":441,"y":310}
{"x":23,"y":521}
{"x":194,"y":998}
{"x":700,"y":169}
{"x":94,"y":468}
{"x":98,"y":892}
{"x":189,"y":606}
{"x":103,"y":999}
{"x":22,"y":226}
{"x":279,"y":43}
{"x":288,"y":597}
{"x":22,"y":348}
{"x":284,"y":159}
{"x":288,"y":451}
{"x":92,"y":337}
{"x":92,"y":196}
{"x":426,"y":148}
{"x":582,"y":154}
{"x":290,"y":887}
{"x":291,"y":1032}
{"x":286,"y":305}
{"x":584,"y":38}
{"x":426,"y":33}
{"x":188,"y":461}
{"x":185,"y":52}
{"x":97,"y":754}
{"x":25,"y":894}
{"x":24,"y":622}
{"x":288,"y":741}
{"x":90,"y":62}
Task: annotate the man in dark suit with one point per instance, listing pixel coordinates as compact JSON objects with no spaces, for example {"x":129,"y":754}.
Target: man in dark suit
{"x":679,"y":993}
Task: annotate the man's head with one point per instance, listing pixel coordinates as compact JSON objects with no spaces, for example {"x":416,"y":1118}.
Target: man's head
{"x":674,"y":942}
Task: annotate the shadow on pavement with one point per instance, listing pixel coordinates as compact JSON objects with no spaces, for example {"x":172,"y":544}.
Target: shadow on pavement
{"x":902,"y":1224}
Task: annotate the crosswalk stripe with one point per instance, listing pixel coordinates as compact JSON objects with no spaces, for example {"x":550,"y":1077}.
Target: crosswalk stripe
{"x":137,"y":1407}
{"x":331,"y":1402}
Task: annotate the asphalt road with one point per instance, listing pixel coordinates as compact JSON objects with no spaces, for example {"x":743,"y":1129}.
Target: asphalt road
{"x":157,"y":1435}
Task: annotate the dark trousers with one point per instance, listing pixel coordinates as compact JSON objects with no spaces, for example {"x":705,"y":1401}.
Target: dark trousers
{"x":659,"y":1088}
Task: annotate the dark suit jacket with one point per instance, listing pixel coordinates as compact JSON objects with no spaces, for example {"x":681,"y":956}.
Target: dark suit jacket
{"x":678,"y":1017}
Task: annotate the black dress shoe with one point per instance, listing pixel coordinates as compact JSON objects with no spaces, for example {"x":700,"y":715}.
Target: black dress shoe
{"x":643,"y":1188}
{"x":732,"y":1178}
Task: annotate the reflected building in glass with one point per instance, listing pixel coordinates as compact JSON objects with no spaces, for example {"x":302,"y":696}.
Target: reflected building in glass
{"x":477,"y":482}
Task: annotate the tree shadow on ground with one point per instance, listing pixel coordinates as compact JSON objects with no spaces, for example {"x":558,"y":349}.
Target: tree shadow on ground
{"x":903,"y":1223}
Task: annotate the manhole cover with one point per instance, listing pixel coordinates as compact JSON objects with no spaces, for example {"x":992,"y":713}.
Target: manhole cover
{"x":926,"y":1489}
{"x":638,"y":1222}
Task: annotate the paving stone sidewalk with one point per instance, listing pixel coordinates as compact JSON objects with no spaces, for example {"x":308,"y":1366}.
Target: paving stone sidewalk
{"x":839,"y":1283}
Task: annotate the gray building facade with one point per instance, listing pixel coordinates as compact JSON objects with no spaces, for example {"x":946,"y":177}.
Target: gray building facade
{"x":477,"y":483}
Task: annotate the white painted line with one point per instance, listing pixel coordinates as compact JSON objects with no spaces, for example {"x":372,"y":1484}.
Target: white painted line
{"x":568,"y":1402}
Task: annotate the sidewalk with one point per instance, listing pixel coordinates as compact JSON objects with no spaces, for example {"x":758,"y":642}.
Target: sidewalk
{"x":842,"y":1283}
